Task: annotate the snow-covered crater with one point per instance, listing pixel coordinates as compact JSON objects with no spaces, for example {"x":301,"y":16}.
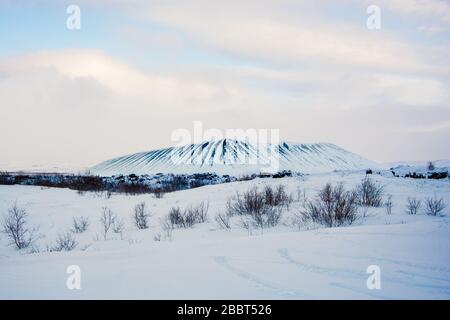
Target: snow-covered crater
{"x":233,"y":157}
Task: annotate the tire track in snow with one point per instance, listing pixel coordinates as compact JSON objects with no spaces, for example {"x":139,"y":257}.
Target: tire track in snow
{"x":412,"y":275}
{"x":260,"y":284}
{"x":283,"y":252}
{"x":387,"y":260}
{"x":363,"y":291}
{"x":374,"y":259}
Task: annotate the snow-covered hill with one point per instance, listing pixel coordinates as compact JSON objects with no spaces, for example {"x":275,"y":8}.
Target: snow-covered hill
{"x":236,"y":158}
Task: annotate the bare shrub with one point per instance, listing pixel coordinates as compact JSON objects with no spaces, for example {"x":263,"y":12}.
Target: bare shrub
{"x":200,"y":212}
{"x":140,"y":216}
{"x":175,"y":217}
{"x":277,"y":197}
{"x":167,"y":228}
{"x":246,"y":224}
{"x":118,"y":226}
{"x":80,"y":224}
{"x":263,"y":208}
{"x":34,"y":249}
{"x":269,"y":195}
{"x":16,"y":228}
{"x":188,"y":217}
{"x":297,"y":220}
{"x":388,"y":205}
{"x":157,"y":237}
{"x":413,"y":205}
{"x":250,"y":202}
{"x":434,"y":206}
{"x":273,"y":217}
{"x":223,"y":220}
{"x":254,"y":202}
{"x":65,"y":242}
{"x":282,"y":198}
{"x":301,"y":195}
{"x":107,"y":221}
{"x":370,"y":193}
{"x":268,"y":217}
{"x":333,"y":207}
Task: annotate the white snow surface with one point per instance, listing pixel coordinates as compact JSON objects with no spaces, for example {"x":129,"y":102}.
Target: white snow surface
{"x":44,"y":168}
{"x":236,"y":158}
{"x":206,"y":262}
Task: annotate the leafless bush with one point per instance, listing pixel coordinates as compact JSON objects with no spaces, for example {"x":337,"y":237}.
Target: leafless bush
{"x":254,"y":201}
{"x":388,"y":205}
{"x":297,"y":220}
{"x":16,"y":228}
{"x":273,"y":217}
{"x":167,"y":228}
{"x":277,"y":197}
{"x":434,"y":206}
{"x":250,"y":202}
{"x":175,"y":217}
{"x":301,"y":195}
{"x":246,"y":224}
{"x":268,"y":217}
{"x":118,"y":226}
{"x":140,"y":216}
{"x":80,"y":224}
{"x":157,"y":237}
{"x":200,"y":212}
{"x":413,"y":206}
{"x":223,"y":220}
{"x":269,"y":195}
{"x":264,"y":208}
{"x":188,"y":217}
{"x":107,"y":221}
{"x":333,"y":207}
{"x":370,"y":193}
{"x":65,"y":242}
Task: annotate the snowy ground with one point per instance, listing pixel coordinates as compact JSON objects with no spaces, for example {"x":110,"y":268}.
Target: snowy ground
{"x":205,"y":262}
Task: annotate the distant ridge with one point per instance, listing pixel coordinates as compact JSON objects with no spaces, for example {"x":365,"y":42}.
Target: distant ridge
{"x":234,"y":157}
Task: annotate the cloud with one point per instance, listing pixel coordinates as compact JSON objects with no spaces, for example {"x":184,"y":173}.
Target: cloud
{"x":285,"y":64}
{"x":290,"y":38}
{"x":84,"y":104}
{"x":114,"y":75}
{"x":440,"y":127}
{"x":430,"y":9}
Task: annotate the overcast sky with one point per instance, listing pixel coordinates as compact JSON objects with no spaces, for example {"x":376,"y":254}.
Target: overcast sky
{"x":138,"y":70}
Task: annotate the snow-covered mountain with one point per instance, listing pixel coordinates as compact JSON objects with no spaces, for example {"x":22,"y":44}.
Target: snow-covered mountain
{"x":236,"y":158}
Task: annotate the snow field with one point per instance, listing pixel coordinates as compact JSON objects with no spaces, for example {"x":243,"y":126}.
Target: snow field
{"x":206,"y":262}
